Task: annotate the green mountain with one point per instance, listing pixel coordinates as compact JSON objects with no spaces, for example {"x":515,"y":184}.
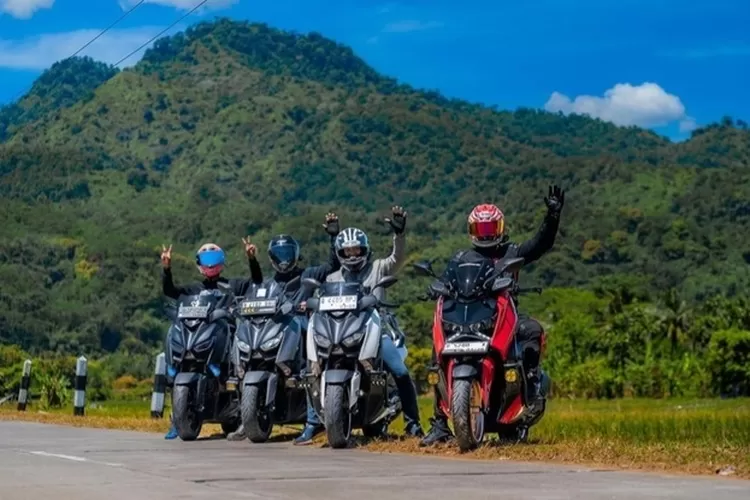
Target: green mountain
{"x":232,"y":128}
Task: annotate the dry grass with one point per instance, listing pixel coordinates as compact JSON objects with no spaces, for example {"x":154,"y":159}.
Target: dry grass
{"x":696,"y":437}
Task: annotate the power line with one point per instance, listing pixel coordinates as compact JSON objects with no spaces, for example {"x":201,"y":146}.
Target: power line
{"x":141,"y":2}
{"x":102,"y":32}
{"x":198,"y":6}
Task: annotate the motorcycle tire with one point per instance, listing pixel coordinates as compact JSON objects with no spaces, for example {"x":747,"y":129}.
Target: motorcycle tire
{"x":186,"y":420}
{"x":338,"y":420}
{"x":469,"y":431}
{"x":258,"y":424}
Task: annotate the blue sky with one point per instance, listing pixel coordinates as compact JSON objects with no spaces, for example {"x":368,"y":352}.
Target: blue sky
{"x":663,"y":64}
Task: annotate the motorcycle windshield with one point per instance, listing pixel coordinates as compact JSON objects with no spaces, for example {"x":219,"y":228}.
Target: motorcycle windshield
{"x":468,"y":313}
{"x":468,"y":278}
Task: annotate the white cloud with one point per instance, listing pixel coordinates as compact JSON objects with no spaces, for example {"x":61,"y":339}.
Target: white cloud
{"x":409,"y":26}
{"x":645,"y":105}
{"x":24,"y":9}
{"x":180,"y":4}
{"x":40,"y":52}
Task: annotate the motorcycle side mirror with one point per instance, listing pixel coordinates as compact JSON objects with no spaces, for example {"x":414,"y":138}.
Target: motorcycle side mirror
{"x":286,"y":308}
{"x":386,"y":282}
{"x":367,"y":301}
{"x":424,"y":268}
{"x":218,"y":314}
{"x":312,"y":304}
{"x":439,"y":288}
{"x":512,"y":265}
{"x":499,"y":284}
{"x":311,"y":283}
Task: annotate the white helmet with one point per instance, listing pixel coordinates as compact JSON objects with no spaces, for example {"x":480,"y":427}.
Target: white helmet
{"x":352,"y":249}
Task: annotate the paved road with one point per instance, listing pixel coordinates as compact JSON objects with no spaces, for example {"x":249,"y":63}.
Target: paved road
{"x":61,"y":463}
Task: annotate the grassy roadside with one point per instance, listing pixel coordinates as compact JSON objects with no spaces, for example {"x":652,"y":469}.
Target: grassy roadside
{"x":691,"y":436}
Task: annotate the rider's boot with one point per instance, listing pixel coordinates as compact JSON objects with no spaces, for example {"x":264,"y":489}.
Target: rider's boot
{"x":309,"y":432}
{"x":439,"y":432}
{"x":238,"y":435}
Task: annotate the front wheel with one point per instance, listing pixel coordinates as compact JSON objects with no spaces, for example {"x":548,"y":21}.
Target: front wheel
{"x":186,"y":420}
{"x":258,"y":423}
{"x":468,"y":417}
{"x":338,"y":420}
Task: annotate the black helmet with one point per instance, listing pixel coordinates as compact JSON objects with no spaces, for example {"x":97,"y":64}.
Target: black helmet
{"x":283,"y":250}
{"x":353,"y":249}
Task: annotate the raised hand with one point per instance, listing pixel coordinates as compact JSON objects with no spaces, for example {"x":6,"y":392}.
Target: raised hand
{"x":332,"y":224}
{"x":398,"y":220}
{"x":166,"y":256}
{"x":250,"y":249}
{"x":555,"y":200}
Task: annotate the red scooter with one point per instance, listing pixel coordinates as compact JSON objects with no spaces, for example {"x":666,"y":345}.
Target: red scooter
{"x":479,"y":370}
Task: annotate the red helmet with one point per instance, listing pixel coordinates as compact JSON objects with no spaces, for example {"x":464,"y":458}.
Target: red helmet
{"x":486,"y":225}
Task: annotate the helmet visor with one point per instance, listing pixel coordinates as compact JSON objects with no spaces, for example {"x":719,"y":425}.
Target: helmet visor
{"x":353,"y":251}
{"x":486,"y":229}
{"x":211,"y":258}
{"x":283,"y":254}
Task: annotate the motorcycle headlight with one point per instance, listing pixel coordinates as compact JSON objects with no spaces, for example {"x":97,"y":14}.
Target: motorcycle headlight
{"x":322,"y":341}
{"x":451,"y":328}
{"x":483,"y":326}
{"x":351,"y":340}
{"x":243,"y":346}
{"x":270,"y":344}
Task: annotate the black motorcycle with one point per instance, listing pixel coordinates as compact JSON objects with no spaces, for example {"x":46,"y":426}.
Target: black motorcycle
{"x":268,"y":357}
{"x":198,"y":360}
{"x":349,"y":385}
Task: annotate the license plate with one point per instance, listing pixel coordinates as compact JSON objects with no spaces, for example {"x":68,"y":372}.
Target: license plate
{"x":338,"y":303}
{"x":193,"y":312}
{"x":252,"y":307}
{"x":466,"y":347}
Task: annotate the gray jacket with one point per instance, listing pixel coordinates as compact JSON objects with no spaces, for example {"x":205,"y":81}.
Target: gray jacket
{"x":377,"y":269}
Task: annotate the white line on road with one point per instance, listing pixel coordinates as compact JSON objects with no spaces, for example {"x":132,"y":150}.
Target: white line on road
{"x":71,"y":457}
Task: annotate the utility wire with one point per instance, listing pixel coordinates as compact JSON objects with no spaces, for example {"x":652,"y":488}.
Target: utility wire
{"x":102,"y":32}
{"x":197,"y":6}
{"x":141,"y":2}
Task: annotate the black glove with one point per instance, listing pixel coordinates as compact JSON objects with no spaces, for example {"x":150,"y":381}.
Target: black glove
{"x":398,"y":221}
{"x":332,"y":224}
{"x":555,"y":201}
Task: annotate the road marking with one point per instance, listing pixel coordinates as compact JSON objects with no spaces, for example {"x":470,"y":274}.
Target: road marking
{"x":72,"y":458}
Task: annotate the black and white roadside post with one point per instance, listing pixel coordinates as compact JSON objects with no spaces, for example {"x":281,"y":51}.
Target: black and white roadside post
{"x":23,"y":392}
{"x":79,"y":397}
{"x":160,"y":387}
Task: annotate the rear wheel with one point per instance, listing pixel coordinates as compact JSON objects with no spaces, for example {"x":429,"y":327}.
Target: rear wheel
{"x":466,"y":409}
{"x":338,"y":420}
{"x":186,"y":420}
{"x":258,"y":423}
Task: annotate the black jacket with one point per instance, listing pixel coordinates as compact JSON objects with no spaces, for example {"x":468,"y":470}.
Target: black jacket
{"x":238,"y":285}
{"x":298,"y":293}
{"x":530,"y":250}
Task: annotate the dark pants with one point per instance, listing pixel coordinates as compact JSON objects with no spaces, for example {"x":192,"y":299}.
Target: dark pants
{"x":529,"y":337}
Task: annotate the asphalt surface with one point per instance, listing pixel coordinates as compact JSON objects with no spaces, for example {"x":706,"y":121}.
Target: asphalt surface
{"x":40,"y":461}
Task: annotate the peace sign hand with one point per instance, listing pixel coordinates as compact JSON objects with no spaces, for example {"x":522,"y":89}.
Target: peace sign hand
{"x":166,"y":256}
{"x":250,"y":249}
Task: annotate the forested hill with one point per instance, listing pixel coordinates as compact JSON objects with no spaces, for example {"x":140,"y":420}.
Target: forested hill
{"x":232,"y":128}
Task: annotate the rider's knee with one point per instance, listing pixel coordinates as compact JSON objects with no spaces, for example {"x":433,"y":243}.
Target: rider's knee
{"x":530,"y":330}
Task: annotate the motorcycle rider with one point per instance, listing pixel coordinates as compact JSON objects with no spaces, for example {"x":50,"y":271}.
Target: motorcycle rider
{"x":210,"y":260}
{"x":354,"y":252}
{"x":486,"y":227}
{"x":284,"y":254}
